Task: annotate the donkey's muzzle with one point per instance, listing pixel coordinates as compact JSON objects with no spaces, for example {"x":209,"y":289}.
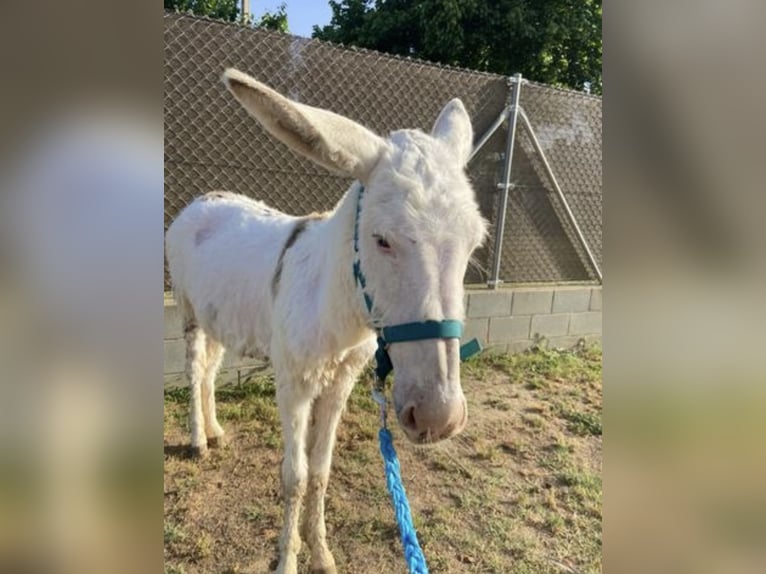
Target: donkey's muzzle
{"x":426,"y":422}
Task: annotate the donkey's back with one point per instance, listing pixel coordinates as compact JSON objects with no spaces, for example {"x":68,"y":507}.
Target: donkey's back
{"x":222,"y":252}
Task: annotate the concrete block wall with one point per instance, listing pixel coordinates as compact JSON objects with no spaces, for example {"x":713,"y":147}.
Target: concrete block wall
{"x":175,"y":345}
{"x":508,"y":319}
{"x":512,"y":318}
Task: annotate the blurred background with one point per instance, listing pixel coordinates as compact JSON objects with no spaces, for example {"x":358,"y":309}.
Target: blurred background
{"x":80,"y":309}
{"x":684,"y":378}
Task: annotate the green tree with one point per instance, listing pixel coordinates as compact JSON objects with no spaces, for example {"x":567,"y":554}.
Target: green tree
{"x":230,"y":11}
{"x":275,"y":20}
{"x":219,"y":9}
{"x":553,"y":41}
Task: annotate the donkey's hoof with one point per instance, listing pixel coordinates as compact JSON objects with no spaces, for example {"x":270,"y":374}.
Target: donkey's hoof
{"x":324,"y":565}
{"x":199,"y":452}
{"x":217,"y":441}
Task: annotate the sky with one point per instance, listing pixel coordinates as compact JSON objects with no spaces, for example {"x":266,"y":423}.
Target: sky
{"x":302,"y":15}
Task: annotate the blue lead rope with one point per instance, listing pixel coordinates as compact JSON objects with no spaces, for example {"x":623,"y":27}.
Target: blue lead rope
{"x":445,"y":329}
{"x":416,"y":562}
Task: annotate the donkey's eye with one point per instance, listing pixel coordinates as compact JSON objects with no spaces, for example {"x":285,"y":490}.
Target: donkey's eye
{"x":382,"y":243}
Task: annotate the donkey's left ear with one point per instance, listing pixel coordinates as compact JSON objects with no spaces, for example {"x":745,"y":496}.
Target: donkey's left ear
{"x":453,"y":127}
{"x":334,"y":142}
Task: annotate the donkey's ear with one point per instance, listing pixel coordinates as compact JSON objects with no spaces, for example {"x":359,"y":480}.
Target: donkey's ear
{"x":334,"y":142}
{"x":453,"y":127}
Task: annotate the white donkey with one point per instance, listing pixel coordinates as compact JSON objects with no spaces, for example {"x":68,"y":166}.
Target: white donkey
{"x":260,"y":282}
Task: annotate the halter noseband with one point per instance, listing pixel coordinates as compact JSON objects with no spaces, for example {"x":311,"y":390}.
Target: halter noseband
{"x":417,"y":331}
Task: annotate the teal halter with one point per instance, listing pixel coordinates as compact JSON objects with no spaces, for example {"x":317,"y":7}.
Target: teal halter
{"x":418,"y":331}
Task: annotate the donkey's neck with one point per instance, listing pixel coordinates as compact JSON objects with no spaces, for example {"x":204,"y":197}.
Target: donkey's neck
{"x":344,"y":317}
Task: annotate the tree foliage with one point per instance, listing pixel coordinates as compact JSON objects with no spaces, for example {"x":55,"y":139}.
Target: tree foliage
{"x":219,"y":9}
{"x":557,"y":42}
{"x":230,"y":11}
{"x":275,"y":20}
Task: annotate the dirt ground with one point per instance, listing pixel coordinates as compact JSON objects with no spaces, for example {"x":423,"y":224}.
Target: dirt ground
{"x":519,"y":491}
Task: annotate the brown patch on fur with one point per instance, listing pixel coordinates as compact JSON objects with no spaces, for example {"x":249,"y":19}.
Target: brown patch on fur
{"x":202,"y":235}
{"x":190,"y":324}
{"x":300,"y":227}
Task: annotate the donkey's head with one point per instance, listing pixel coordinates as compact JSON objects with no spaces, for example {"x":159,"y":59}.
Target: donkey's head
{"x":418,"y":225}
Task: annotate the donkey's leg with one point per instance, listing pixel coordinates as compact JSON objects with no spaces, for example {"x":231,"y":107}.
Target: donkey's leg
{"x":325,"y":415}
{"x":196,"y":362}
{"x":294,"y":399}
{"x":213,"y":430}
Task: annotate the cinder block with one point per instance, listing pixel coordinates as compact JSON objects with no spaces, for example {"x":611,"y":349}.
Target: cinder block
{"x":508,"y":328}
{"x":595,"y":299}
{"x":550,"y":325}
{"x":478,"y":328}
{"x":585,"y":323}
{"x":231,"y":361}
{"x":489,"y":304}
{"x":175,"y":356}
{"x":571,"y":300}
{"x":173,"y":327}
{"x":531,"y":302}
{"x":520,"y":346}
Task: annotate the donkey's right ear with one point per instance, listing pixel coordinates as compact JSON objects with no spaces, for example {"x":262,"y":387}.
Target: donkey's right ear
{"x":334,"y":142}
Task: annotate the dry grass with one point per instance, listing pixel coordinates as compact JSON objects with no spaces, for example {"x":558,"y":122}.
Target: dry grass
{"x":518,"y":492}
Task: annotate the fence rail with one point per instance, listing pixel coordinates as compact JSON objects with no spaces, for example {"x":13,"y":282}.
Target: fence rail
{"x":211,"y":143}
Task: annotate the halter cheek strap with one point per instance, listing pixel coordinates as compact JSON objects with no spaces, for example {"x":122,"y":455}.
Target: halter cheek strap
{"x":404,"y":332}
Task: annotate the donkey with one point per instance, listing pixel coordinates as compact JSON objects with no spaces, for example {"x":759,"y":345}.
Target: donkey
{"x":260,"y":282}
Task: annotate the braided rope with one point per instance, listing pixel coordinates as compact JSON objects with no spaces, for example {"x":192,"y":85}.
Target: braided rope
{"x":416,"y":562}
{"x":444,"y":329}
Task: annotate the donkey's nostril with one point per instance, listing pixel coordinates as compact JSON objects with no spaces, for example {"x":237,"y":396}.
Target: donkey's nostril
{"x":425,"y":423}
{"x":407,"y":418}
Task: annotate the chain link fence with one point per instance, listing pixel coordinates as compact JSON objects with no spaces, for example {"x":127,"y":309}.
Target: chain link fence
{"x":212,"y":144}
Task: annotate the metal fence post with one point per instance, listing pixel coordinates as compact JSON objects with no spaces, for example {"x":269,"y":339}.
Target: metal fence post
{"x":561,"y":196}
{"x":505,"y":185}
{"x":489,"y":133}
